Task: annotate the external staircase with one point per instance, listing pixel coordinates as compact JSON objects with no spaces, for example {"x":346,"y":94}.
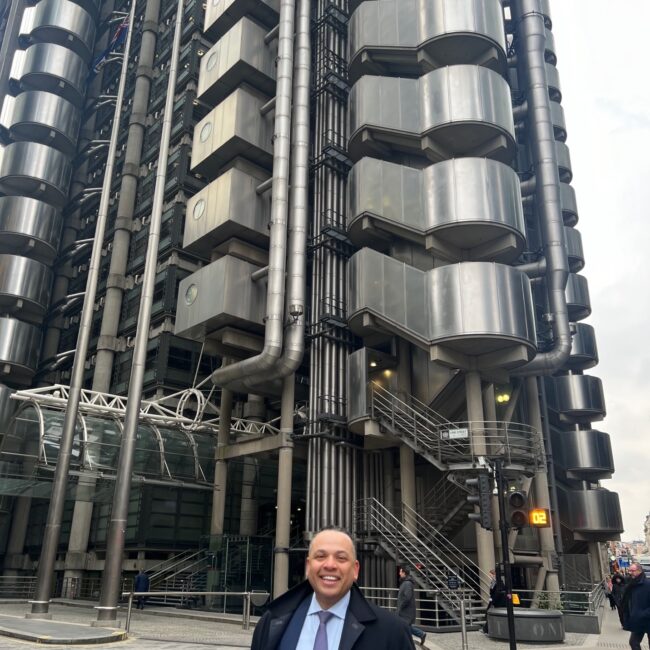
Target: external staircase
{"x":412,"y":541}
{"x":455,"y":446}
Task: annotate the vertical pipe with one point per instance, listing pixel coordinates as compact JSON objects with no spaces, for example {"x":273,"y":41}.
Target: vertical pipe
{"x":221,"y":465}
{"x":110,"y":594}
{"x":285,"y":470}
{"x":40,"y":604}
{"x":541,"y":488}
{"x":484,"y":539}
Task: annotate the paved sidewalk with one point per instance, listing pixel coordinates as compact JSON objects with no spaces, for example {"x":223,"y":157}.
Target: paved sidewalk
{"x":172,"y":629}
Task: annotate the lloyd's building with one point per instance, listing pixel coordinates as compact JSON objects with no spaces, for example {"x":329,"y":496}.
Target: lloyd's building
{"x":272,"y":265}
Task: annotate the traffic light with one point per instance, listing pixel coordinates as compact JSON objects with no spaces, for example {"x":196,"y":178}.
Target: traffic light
{"x":517,"y":509}
{"x":483,"y":484}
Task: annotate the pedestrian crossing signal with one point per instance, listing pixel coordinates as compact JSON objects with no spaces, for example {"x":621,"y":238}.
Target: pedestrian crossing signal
{"x":539,"y":518}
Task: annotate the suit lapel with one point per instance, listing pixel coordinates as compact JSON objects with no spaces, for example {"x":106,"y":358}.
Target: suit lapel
{"x":277,"y":627}
{"x":352,"y":630}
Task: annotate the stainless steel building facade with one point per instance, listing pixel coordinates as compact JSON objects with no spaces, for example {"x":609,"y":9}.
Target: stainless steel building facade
{"x":367,"y":286}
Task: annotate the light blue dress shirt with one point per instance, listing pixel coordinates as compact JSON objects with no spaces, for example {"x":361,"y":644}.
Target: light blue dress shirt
{"x":334,"y":625}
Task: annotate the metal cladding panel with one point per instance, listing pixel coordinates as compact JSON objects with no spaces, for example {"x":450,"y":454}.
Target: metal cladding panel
{"x":577,"y":297}
{"x":554,"y":86}
{"x":574,"y":250}
{"x":357,"y":381}
{"x":591,"y":512}
{"x":219,"y":295}
{"x":585,"y":454}
{"x":478,"y":306}
{"x":91,"y":6}
{"x":221,"y":15}
{"x":473,"y":308}
{"x":226,"y":208}
{"x":584,"y":351}
{"x":468,"y":204}
{"x":20,"y":343}
{"x":7,"y":407}
{"x":549,"y":48}
{"x":55,"y":69}
{"x":24,"y":287}
{"x":563,"y":162}
{"x":580,"y":398}
{"x":569,"y":204}
{"x":559,"y":122}
{"x":35,"y":170}
{"x":409,"y":37}
{"x":64,"y":23}
{"x":29,"y":227}
{"x":234,"y":128}
{"x":460,"y":110}
{"x":46,"y":118}
{"x":240,"y":55}
{"x":545,"y":7}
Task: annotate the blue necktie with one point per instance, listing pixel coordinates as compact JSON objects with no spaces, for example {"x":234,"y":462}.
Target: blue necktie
{"x":321,"y":636}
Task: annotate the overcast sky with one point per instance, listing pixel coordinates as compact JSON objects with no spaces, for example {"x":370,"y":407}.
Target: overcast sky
{"x":603,"y":50}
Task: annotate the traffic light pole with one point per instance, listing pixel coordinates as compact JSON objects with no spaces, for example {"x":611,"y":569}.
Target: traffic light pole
{"x":503,"y":527}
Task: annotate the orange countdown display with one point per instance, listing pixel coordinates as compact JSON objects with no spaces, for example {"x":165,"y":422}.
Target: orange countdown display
{"x":539,"y":517}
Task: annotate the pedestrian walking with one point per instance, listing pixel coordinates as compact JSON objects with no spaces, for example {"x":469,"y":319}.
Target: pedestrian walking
{"x":406,"y":603}
{"x":618,"y":587}
{"x":141,"y":584}
{"x":636,"y":606}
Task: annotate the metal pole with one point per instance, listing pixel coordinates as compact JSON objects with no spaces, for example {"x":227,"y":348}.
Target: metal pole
{"x":463,"y":624}
{"x":129,"y":609}
{"x":503,"y":527}
{"x":41,"y":603}
{"x":107,"y":610}
{"x":247,"y":611}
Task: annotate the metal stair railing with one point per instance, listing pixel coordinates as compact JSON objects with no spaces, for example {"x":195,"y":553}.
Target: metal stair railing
{"x":469,"y":571}
{"x":430,"y":570}
{"x":447,"y":490}
{"x":446,"y":443}
{"x":172,"y":566}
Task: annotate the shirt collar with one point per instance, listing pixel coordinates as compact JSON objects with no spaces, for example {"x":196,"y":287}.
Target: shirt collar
{"x":339,"y":609}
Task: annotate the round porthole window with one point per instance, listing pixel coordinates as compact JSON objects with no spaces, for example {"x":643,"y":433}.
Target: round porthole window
{"x":199,"y":209}
{"x":206,"y":131}
{"x":191,"y":293}
{"x":212,"y":61}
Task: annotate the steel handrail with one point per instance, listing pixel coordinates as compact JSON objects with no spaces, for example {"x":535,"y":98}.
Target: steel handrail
{"x":246,"y":595}
{"x":179,"y":560}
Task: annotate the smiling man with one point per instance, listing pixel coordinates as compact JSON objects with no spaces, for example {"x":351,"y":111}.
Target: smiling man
{"x":328,"y":611}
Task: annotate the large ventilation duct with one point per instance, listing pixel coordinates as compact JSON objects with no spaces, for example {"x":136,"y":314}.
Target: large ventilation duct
{"x":529,"y":18}
{"x":275,"y":297}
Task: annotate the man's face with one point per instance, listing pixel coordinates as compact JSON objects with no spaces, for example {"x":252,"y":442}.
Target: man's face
{"x":635,"y":570}
{"x":331,"y":567}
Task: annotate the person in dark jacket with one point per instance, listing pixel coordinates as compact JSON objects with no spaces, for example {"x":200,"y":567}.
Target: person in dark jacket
{"x":636,"y":606}
{"x":406,"y":603}
{"x":497,"y":596}
{"x":328,"y":609}
{"x":618,"y":587}
{"x":140,"y":584}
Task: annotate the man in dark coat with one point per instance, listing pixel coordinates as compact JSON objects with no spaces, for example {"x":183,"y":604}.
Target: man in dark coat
{"x":406,"y":603}
{"x":328,"y":608}
{"x":497,"y":596}
{"x":636,"y":606}
{"x":141,"y":584}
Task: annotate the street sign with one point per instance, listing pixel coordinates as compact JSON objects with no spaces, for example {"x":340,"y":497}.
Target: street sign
{"x":453,"y":582}
{"x":455,"y":434}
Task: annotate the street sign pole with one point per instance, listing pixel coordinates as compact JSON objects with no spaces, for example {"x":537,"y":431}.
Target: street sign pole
{"x":503,"y":527}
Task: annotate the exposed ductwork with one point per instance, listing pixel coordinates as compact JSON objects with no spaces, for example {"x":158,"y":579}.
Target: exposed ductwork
{"x":528,"y":16}
{"x":275,"y":296}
